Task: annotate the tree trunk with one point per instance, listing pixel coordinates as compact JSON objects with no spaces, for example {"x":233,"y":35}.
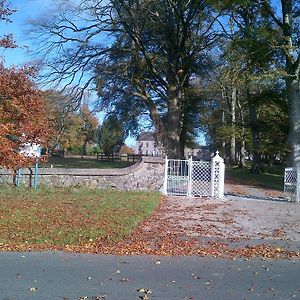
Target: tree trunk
{"x":173,"y":149}
{"x":292,"y":79}
{"x":233,"y":133}
{"x":83,"y":150}
{"x":223,"y":141}
{"x":293,"y":95}
{"x":242,"y":163}
{"x":256,"y":160}
{"x":243,"y":143}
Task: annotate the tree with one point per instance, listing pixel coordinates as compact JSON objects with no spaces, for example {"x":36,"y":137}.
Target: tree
{"x":283,"y":32}
{"x":148,"y":64}
{"x":151,"y":66}
{"x":88,"y":128}
{"x":252,"y":55}
{"x":23,"y":116}
{"x":111,"y":135}
{"x":126,"y":150}
{"x":75,"y":128}
{"x":249,"y":92}
{"x":289,"y":43}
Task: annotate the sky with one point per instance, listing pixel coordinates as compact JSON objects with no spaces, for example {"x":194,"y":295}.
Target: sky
{"x":26,"y":9}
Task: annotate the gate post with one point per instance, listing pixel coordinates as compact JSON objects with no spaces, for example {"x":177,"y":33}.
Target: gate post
{"x":190,"y":170}
{"x":165,"y":187}
{"x":297,"y":198}
{"x":217,"y":176}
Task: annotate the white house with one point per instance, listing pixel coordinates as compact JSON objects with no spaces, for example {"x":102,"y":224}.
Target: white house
{"x":31,"y":150}
{"x":146,"y":144}
{"x":199,"y":152}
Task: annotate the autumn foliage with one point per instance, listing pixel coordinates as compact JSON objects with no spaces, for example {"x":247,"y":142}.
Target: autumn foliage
{"x":23,"y":116}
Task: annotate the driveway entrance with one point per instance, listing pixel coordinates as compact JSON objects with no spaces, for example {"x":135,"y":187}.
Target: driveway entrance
{"x":195,"y":178}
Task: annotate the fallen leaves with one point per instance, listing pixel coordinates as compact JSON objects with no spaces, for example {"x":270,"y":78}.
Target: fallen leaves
{"x":145,"y":293}
{"x":171,"y":230}
{"x":59,"y":219}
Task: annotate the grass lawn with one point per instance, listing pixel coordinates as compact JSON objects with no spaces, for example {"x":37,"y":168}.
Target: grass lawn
{"x":53,"y":218}
{"x":271,"y":178}
{"x":83,"y":163}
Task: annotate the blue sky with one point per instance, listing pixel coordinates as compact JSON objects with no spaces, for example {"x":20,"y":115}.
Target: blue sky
{"x":25,"y":9}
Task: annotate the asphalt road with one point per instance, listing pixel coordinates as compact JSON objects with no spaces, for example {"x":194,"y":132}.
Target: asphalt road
{"x":57,"y":275}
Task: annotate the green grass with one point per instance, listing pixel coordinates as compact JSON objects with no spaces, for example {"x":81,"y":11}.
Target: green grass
{"x":271,"y":178}
{"x":69,"y":216}
{"x":82,"y":163}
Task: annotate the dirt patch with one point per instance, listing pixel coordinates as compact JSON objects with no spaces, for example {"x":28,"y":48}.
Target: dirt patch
{"x":234,"y":218}
{"x":251,"y":191}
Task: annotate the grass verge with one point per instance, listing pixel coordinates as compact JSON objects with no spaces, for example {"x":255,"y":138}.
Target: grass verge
{"x":55,"y":218}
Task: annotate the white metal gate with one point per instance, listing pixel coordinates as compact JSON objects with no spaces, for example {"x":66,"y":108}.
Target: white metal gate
{"x":195,"y":178}
{"x":292,"y":184}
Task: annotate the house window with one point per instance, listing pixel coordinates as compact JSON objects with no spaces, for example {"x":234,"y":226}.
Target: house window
{"x":147,"y":145}
{"x":146,"y":152}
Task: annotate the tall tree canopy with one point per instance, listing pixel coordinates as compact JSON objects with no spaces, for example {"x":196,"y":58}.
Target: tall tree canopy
{"x":75,"y":127}
{"x":248,"y":80}
{"x":140,"y":65}
{"x":288,"y":24}
{"x":111,"y":135}
{"x":147,"y":58}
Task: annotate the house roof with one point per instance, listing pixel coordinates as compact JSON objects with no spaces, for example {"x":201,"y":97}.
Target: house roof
{"x":146,"y":136}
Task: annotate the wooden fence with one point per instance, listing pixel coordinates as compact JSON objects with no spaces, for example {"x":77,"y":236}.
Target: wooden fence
{"x":112,"y":157}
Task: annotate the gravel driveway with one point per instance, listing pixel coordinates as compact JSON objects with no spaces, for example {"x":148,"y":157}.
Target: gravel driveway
{"x":231,"y":227}
{"x":235,"y":217}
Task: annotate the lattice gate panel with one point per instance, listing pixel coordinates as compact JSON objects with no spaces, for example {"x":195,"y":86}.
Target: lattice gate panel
{"x":201,"y":179}
{"x":194,"y":178}
{"x":290,"y":183}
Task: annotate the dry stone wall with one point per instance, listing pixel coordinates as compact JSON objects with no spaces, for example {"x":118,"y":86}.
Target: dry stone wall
{"x":148,"y":174}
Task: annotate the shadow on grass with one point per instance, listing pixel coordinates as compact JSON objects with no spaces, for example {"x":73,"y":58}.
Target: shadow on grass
{"x":272,"y":178}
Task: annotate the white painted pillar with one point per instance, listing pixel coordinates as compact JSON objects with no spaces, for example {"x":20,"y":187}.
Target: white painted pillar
{"x":165,"y":187}
{"x":190,"y":166}
{"x":297,"y":196}
{"x":217,"y":176}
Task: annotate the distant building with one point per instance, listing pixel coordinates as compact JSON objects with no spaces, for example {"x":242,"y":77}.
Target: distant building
{"x":146,"y":144}
{"x":30,"y":150}
{"x":198,"y":152}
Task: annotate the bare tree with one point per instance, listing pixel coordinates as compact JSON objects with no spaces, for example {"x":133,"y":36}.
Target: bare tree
{"x":141,"y":55}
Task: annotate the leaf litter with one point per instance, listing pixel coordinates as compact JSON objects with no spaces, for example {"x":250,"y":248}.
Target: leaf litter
{"x":172,"y":230}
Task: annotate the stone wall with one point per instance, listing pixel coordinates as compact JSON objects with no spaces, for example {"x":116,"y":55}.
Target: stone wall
{"x":148,"y":174}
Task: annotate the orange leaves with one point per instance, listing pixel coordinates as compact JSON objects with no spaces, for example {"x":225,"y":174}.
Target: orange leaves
{"x":23,"y":116}
{"x":7,"y":42}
